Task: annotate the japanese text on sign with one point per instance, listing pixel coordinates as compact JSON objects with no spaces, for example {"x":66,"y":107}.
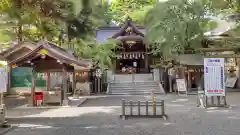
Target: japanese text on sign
{"x":214,"y":77}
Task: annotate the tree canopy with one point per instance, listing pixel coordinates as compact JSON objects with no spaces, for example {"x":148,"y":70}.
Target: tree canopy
{"x":136,"y":9}
{"x":176,"y":25}
{"x":171,"y":26}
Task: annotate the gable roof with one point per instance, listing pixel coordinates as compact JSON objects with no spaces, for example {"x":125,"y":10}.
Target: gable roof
{"x":14,"y":48}
{"x":55,"y":52}
{"x":105,"y":33}
{"x":125,"y":26}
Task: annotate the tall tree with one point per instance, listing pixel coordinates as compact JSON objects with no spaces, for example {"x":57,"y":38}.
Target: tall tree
{"x":136,"y":9}
{"x":101,"y":54}
{"x":176,"y":25}
{"x":88,"y":15}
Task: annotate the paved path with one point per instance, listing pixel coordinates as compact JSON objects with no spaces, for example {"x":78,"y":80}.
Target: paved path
{"x":100,"y":116}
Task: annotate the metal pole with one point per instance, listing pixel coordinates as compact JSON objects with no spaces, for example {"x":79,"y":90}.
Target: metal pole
{"x":99,"y":85}
{"x":153,"y":103}
{"x":131,"y":108}
{"x":163,"y":107}
{"x":123,"y":109}
{"x":146,"y":108}
{"x":170,"y":83}
{"x":139,"y":113}
{"x":218,"y":100}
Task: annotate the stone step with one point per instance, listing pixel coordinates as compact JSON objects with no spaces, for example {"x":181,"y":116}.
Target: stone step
{"x":132,"y":90}
{"x":137,"y":88}
{"x":135,"y":83}
{"x":133,"y":93}
{"x":130,"y":77}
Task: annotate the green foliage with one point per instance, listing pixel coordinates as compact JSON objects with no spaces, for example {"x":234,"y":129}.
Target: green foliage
{"x":136,"y":9}
{"x":4,"y":4}
{"x":176,"y":25}
{"x":85,"y":21}
{"x":101,"y":54}
{"x":50,"y":17}
{"x":225,"y":6}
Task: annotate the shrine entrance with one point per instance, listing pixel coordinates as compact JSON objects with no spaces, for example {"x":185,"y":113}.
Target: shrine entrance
{"x":131,"y":66}
{"x":131,"y":62}
{"x":132,"y":54}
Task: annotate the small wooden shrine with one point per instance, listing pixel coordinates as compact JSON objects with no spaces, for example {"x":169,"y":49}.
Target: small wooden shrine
{"x":47,"y":57}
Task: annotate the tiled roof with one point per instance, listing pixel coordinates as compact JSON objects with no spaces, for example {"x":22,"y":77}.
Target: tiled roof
{"x":105,"y":33}
{"x":56,"y":52}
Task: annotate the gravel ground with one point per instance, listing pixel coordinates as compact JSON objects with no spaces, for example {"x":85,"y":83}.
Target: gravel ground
{"x":100,"y":116}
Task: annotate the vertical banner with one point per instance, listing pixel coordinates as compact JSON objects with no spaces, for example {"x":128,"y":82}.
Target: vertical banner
{"x":214,"y":83}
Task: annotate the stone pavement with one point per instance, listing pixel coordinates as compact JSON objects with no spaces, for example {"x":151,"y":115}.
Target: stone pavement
{"x":100,"y":116}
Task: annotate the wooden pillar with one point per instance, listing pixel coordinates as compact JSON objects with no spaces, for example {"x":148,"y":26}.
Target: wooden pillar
{"x":189,"y":80}
{"x":198,"y":76}
{"x":182,"y":73}
{"x":64,"y":79}
{"x":146,"y":62}
{"x":48,"y":81}
{"x":9,"y":74}
{"x":73,"y":82}
{"x":33,"y":87}
{"x":170,"y":80}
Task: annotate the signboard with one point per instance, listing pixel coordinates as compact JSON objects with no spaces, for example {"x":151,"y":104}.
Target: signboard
{"x":3,"y":80}
{"x":214,"y":83}
{"x":230,"y":82}
{"x":181,"y":85}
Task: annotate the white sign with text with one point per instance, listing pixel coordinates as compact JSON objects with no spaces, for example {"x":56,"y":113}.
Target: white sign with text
{"x":214,"y":83}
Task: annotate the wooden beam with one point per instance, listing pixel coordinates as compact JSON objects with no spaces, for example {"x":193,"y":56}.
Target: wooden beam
{"x":224,"y":56}
{"x":219,"y":49}
{"x":48,"y":81}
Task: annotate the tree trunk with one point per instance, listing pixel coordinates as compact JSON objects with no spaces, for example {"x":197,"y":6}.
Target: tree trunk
{"x":20,"y":32}
{"x":20,"y":28}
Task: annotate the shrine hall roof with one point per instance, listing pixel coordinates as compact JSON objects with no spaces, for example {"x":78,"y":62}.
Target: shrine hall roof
{"x":53,"y":51}
{"x":105,"y":33}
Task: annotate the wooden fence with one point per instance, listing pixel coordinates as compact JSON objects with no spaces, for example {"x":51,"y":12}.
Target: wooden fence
{"x":146,"y":105}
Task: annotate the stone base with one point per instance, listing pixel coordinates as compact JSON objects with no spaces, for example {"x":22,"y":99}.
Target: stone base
{"x":65,"y":103}
{"x":13,"y":96}
{"x":12,"y":92}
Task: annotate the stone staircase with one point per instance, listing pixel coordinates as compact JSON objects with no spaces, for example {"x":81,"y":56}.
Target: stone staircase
{"x":134,"y":85}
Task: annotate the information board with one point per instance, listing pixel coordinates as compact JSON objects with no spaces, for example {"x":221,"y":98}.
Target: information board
{"x":181,"y":85}
{"x":214,"y":83}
